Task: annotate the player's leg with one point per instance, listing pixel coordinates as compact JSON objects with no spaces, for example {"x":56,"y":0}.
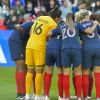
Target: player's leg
{"x":39,"y":60}
{"x":97,"y":72}
{"x":86,"y":63}
{"x":17,"y":50}
{"x":73,"y":80}
{"x":66,"y":63}
{"x":97,"y":81}
{"x":90,"y":82}
{"x":34,"y":75}
{"x":48,"y":79}
{"x":20,"y":77}
{"x":66,"y":81}
{"x":60,"y":82}
{"x":77,"y":63}
{"x":30,"y":68}
{"x":38,"y":80}
{"x":57,"y":54}
{"x":78,"y":81}
{"x":49,"y":71}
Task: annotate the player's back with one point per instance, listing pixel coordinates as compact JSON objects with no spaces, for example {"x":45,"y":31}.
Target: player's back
{"x":39,"y":30}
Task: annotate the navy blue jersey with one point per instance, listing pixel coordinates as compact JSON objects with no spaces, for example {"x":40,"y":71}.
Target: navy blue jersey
{"x":15,"y":36}
{"x":24,"y":34}
{"x":98,"y":28}
{"x":89,"y":41}
{"x":69,"y":38}
{"x":26,"y":30}
{"x":55,"y":41}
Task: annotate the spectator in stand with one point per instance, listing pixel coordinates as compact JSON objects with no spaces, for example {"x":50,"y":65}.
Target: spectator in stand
{"x":95,"y":7}
{"x":1,"y":12}
{"x":18,"y":9}
{"x":29,"y":8}
{"x":8,"y":18}
{"x":12,"y":23}
{"x":13,"y":3}
{"x":6,"y":11}
{"x":77,"y":7}
{"x":50,"y":4}
{"x":65,"y":8}
{"x":60,"y":2}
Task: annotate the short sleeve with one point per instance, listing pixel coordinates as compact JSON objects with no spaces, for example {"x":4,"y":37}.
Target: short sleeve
{"x":52,"y":23}
{"x":56,"y":31}
{"x":82,"y":27}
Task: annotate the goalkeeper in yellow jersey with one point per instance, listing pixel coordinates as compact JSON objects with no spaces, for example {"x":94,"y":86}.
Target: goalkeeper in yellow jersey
{"x":36,"y":48}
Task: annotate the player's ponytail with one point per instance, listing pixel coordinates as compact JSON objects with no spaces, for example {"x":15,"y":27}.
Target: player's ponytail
{"x":77,"y":17}
{"x":70,"y":21}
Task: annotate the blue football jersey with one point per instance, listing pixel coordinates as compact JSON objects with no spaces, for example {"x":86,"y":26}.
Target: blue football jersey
{"x":98,"y":28}
{"x":56,"y":40}
{"x":26,"y":30}
{"x":89,"y":41}
{"x":69,"y":38}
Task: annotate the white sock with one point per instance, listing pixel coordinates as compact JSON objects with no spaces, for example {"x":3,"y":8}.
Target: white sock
{"x":46,"y":97}
{"x":27,"y":96}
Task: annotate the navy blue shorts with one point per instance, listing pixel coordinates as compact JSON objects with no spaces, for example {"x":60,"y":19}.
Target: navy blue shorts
{"x":91,"y":58}
{"x":71,"y":56}
{"x":53,"y":56}
{"x":17,"y":49}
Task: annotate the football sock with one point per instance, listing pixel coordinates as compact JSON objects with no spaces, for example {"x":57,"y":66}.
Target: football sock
{"x":18,"y":84}
{"x":44,"y":80}
{"x":38,"y":82}
{"x":34,"y":75}
{"x":22,"y":78}
{"x":97,"y":83}
{"x":66,"y":85}
{"x":48,"y":79}
{"x":73,"y":79}
{"x":29,"y":81}
{"x":60,"y":85}
{"x":90,"y":85}
{"x":78,"y":83}
{"x":85,"y":85}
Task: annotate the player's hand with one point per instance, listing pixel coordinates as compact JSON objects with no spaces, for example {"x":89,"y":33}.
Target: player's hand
{"x":96,"y":22}
{"x":19,"y":28}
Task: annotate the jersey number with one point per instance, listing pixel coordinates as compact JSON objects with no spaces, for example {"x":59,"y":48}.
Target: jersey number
{"x":38,"y":28}
{"x":64,"y":35}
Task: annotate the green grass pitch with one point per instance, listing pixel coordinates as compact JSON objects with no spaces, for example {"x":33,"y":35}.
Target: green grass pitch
{"x":8,"y":87}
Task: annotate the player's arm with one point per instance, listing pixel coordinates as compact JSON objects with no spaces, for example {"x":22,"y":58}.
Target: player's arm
{"x":90,"y":30}
{"x":19,"y":28}
{"x":54,"y":32}
{"x":25,"y":27}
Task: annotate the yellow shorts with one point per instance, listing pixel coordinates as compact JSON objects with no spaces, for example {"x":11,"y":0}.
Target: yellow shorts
{"x":34,"y":57}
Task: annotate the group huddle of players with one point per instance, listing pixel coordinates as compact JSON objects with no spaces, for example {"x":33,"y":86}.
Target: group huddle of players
{"x":49,"y":40}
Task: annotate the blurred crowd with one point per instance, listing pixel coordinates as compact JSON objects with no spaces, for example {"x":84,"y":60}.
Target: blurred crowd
{"x":16,"y":11}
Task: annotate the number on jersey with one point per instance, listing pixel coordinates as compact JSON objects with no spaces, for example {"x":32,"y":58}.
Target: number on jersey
{"x":38,"y":28}
{"x":66,"y":33}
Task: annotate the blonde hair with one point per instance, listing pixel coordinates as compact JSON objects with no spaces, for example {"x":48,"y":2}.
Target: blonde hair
{"x":70,"y":22}
{"x":80,"y":15}
{"x":77,"y":17}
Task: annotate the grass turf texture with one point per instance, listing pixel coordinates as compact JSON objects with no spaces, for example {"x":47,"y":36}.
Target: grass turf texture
{"x":8,"y":87}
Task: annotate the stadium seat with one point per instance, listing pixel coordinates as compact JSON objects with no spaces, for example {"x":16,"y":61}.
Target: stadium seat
{"x":3,"y":27}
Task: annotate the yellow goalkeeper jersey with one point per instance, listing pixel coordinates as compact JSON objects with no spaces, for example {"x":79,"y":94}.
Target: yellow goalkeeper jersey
{"x":39,"y":31}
